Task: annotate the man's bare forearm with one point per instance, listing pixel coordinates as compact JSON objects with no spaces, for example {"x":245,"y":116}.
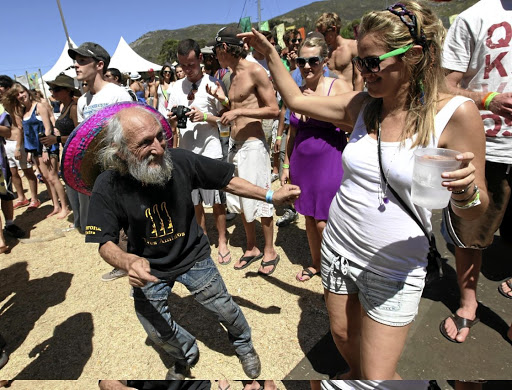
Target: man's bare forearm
{"x":115,"y":256}
{"x":260,"y":113}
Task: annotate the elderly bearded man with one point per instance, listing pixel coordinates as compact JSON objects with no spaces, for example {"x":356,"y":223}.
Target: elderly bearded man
{"x":145,"y":191}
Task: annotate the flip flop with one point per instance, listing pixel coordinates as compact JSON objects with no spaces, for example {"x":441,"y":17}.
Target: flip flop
{"x":460,"y":323}
{"x":248,"y":261}
{"x":306,"y":272}
{"x":267,"y":263}
{"x":223,"y":256}
{"x":506,"y":294}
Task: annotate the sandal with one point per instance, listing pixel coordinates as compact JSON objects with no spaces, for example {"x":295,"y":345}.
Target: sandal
{"x":508,"y":293}
{"x":460,"y":323}
{"x":306,"y":272}
{"x":20,"y":203}
{"x":223,"y":256}
{"x":248,"y":261}
{"x":34,"y":205}
{"x":267,"y":263}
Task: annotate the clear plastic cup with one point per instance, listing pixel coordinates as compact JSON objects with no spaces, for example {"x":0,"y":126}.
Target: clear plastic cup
{"x":429,"y":164}
{"x":223,"y":130}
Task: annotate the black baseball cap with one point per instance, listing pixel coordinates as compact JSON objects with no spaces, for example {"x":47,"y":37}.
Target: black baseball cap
{"x":91,"y":49}
{"x":229,"y":35}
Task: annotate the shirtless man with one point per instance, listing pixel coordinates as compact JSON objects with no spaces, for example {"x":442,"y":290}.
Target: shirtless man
{"x":341,"y":50}
{"x":251,"y":99}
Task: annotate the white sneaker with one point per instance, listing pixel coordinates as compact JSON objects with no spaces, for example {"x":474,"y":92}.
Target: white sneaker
{"x":116,"y":273}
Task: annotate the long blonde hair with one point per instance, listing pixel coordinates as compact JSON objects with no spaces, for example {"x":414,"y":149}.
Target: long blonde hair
{"x":424,"y":70}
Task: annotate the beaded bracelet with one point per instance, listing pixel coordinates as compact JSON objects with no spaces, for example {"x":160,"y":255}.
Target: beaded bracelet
{"x":268,"y":196}
{"x":475,"y":189}
{"x":205,"y":116}
{"x":286,"y":166}
{"x":473,"y":203}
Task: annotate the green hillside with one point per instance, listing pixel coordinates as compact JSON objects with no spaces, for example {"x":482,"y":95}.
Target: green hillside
{"x":150,"y":44}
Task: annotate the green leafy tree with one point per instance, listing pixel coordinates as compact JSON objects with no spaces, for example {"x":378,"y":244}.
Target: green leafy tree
{"x":348,"y":31}
{"x":168,"y":51}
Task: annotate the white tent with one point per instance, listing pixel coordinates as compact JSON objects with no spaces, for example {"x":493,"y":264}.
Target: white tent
{"x":63,"y":64}
{"x":126,"y":60}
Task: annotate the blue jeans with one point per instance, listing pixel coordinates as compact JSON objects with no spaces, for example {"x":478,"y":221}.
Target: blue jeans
{"x":203,"y":280}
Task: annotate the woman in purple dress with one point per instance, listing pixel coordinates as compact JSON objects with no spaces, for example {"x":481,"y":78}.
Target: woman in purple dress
{"x":313,"y":152}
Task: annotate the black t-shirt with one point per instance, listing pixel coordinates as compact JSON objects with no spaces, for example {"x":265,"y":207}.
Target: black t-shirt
{"x":170,"y":385}
{"x":159,"y":221}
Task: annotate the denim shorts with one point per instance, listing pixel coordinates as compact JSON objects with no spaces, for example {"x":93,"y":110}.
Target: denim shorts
{"x":387,"y":301}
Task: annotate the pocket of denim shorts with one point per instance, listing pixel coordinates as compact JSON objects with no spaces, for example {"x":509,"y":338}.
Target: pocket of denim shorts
{"x":383,"y":293}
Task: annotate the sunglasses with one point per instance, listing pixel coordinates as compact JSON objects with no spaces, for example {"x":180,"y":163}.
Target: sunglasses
{"x":166,"y":72}
{"x":192,"y":94}
{"x":372,"y":64}
{"x":312,"y":61}
{"x":297,"y":40}
{"x":56,"y":89}
{"x":84,"y":85}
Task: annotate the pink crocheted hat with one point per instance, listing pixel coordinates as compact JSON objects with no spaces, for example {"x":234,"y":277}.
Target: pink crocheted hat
{"x":79,"y":166}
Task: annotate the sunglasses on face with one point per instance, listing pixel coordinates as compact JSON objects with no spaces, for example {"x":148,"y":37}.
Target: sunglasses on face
{"x":312,"y":61}
{"x":166,"y":72}
{"x":296,"y":40}
{"x":192,"y":94}
{"x":372,"y":64}
{"x":84,"y":85}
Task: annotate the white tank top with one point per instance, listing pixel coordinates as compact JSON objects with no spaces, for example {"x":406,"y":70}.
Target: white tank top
{"x":387,"y":242}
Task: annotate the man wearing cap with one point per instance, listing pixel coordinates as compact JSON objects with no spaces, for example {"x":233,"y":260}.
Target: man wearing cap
{"x":91,"y":63}
{"x":201,"y":134}
{"x":341,"y":51}
{"x":251,"y":99}
{"x":142,"y":190}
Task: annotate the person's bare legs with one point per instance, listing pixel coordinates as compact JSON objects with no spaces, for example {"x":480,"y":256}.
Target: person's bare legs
{"x":3,"y":245}
{"x":381,"y":347}
{"x":250,"y":235}
{"x":315,"y":384}
{"x":223,"y":384}
{"x":269,"y":253}
{"x":18,"y":184}
{"x":314,"y":231}
{"x":32,"y":183}
{"x":468,"y":263}
{"x":53,"y":173}
{"x":345,"y":321}
{"x":45,"y":170}
{"x":219,"y":212}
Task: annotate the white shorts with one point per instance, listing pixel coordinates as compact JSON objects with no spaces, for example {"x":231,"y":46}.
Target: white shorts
{"x":22,"y":163}
{"x":252,"y":163}
{"x":208,"y":197}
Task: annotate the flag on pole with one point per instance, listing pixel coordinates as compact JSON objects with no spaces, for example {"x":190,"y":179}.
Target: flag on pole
{"x":264,"y":26}
{"x":290,"y":27}
{"x":452,"y":18}
{"x":33,"y":80}
{"x":22,"y":80}
{"x":245,"y":24}
{"x":280,"y":33}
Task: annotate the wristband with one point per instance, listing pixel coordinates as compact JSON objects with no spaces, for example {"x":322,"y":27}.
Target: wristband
{"x":205,"y":116}
{"x":268,"y":196}
{"x":225,"y":102}
{"x":59,"y":139}
{"x":469,"y":198}
{"x":279,"y":137}
{"x":286,"y":166}
{"x":488,"y":99}
{"x":473,"y":203}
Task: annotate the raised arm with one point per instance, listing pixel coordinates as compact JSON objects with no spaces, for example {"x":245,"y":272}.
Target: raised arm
{"x":340,"y":109}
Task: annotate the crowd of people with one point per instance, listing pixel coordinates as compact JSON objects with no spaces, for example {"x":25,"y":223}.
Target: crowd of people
{"x":335,"y":120}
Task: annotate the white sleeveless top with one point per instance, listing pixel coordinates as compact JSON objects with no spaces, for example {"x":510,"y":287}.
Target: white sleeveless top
{"x":389,"y":243}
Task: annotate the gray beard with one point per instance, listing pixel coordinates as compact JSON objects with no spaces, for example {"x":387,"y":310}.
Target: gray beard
{"x":151,"y":175}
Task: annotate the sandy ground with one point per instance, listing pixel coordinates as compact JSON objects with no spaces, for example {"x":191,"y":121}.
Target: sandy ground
{"x":61,"y":322}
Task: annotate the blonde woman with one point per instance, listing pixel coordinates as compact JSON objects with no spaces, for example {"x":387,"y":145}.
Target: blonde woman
{"x":374,"y":255}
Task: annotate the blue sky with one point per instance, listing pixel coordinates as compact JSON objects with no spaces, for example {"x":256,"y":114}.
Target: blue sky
{"x":33,"y":36}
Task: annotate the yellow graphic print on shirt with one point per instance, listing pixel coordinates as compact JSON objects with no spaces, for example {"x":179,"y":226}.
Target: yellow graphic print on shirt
{"x":162,"y":229}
